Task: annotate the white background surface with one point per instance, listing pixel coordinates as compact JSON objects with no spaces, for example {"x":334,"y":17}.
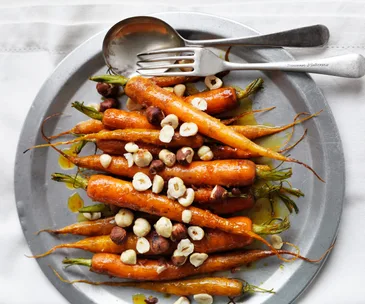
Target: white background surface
{"x":35,"y":36}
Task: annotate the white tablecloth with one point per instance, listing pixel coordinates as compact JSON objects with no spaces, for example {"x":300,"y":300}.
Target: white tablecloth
{"x":35,"y":36}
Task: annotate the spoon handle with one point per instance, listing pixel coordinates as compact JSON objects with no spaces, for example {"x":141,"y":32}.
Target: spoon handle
{"x":309,"y":36}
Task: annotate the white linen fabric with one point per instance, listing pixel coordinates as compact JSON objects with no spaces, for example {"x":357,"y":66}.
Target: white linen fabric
{"x":35,"y":36}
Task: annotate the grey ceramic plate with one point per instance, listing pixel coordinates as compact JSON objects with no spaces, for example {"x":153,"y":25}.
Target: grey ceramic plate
{"x":42,"y":203}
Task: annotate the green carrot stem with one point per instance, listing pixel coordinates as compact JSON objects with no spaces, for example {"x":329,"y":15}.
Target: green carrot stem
{"x":272,"y":228}
{"x":78,"y":261}
{"x":248,"y":288}
{"x":252,"y":88}
{"x":93,"y":208}
{"x":89,"y":111}
{"x":274,"y":174}
{"x":112,"y":79}
{"x":77,"y":181}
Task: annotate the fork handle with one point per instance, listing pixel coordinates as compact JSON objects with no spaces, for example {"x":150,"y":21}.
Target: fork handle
{"x":309,"y":36}
{"x":351,"y":66}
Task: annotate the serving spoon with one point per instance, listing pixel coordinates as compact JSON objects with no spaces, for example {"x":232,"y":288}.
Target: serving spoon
{"x":135,"y":35}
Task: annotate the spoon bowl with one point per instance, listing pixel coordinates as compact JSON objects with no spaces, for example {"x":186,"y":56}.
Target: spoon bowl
{"x":135,"y":35}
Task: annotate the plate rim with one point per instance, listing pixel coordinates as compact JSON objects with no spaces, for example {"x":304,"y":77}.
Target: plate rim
{"x":297,"y":78}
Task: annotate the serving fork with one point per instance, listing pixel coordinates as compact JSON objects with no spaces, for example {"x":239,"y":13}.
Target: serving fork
{"x":196,"y":61}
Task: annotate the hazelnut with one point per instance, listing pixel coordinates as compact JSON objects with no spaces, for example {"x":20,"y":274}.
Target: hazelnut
{"x":236,"y":191}
{"x":167,"y":157}
{"x":179,"y":232}
{"x":92,"y":216}
{"x":188,"y":129}
{"x":156,"y":166}
{"x":185,"y":155}
{"x":158,"y":243}
{"x":118,"y":235}
{"x":154,"y":115}
{"x":142,"y":158}
{"x":203,"y":298}
{"x":178,"y":260}
{"x":108,"y":103}
{"x":107,"y":89}
{"x":213,"y":82}
{"x":218,"y":193}
{"x":205,"y":153}
{"x":151,"y":300}
{"x":141,"y":182}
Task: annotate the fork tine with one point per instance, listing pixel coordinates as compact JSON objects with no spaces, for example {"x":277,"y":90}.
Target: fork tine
{"x":152,"y":73}
{"x":167,"y":66}
{"x":171,"y":50}
{"x":166,"y":59}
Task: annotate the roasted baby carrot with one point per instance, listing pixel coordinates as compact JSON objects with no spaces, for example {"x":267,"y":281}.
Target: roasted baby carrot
{"x":213,"y":241}
{"x":234,"y":172}
{"x":86,"y":228}
{"x":109,"y":190}
{"x":140,"y":135}
{"x":145,"y":92}
{"x":213,"y":286}
{"x":147,"y":270}
{"x":230,"y":205}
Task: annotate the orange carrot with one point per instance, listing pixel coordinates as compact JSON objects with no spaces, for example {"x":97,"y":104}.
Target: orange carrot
{"x":147,"y":270}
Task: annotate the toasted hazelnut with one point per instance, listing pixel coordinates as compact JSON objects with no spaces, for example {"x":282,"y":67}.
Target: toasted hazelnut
{"x":196,"y":233}
{"x":205,"y":153}
{"x":166,"y":134}
{"x":133,"y":106}
{"x":199,"y":103}
{"x":176,"y":187}
{"x":142,"y":245}
{"x":154,"y":115}
{"x":276,"y":241}
{"x":106,"y":89}
{"x":158,"y":243}
{"x":164,"y":227}
{"x":198,"y":259}
{"x":188,"y":129}
{"x":186,"y":216}
{"x":131,"y":147}
{"x":142,"y":158}
{"x":178,"y":260}
{"x":157,"y":184}
{"x":185,"y":155}
{"x":118,"y":235}
{"x":188,"y":198}
{"x":129,"y":158}
{"x":182,"y":300}
{"x":156,"y":166}
{"x":170,"y":120}
{"x":108,"y":103}
{"x":184,"y":248}
{"x":218,"y":193}
{"x":179,"y":90}
{"x":105,"y":160}
{"x":151,"y":299}
{"x":213,"y":82}
{"x":167,"y":157}
{"x":141,"y":227}
{"x":129,"y":257}
{"x":141,"y":181}
{"x":203,"y":298}
{"x":124,"y":218}
{"x":179,"y":232}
